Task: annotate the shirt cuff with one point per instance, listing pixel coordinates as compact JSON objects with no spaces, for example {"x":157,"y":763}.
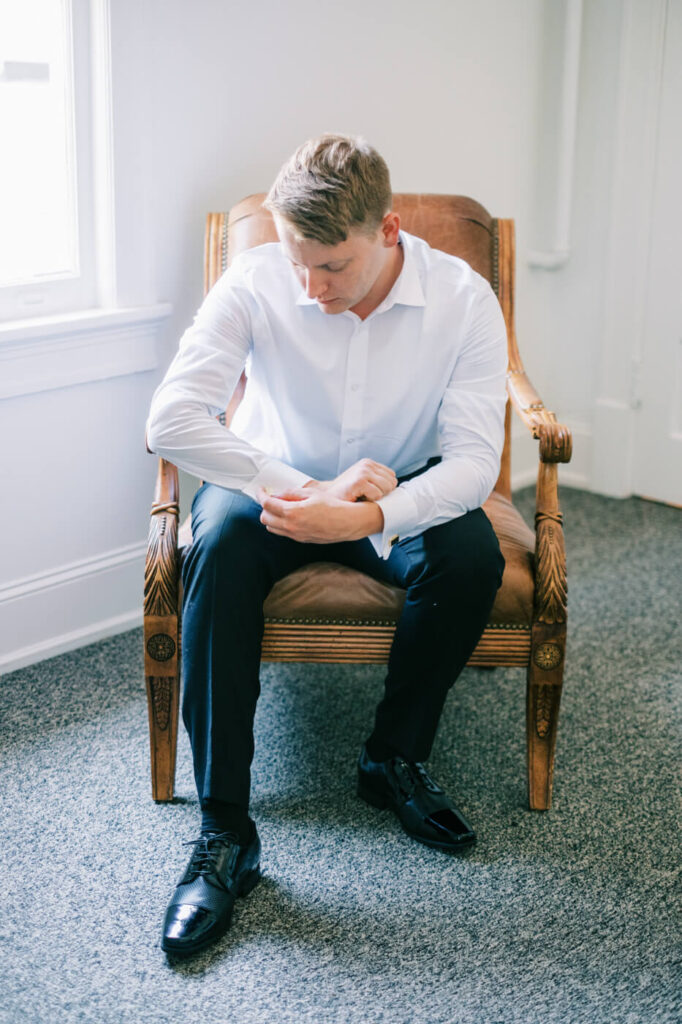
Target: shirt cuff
{"x":400,"y":514}
{"x":275,"y":477}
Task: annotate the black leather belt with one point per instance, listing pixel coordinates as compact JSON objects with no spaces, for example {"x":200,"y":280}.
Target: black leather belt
{"x":433,"y":461}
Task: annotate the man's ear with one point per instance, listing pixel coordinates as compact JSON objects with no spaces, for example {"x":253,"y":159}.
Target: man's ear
{"x":390,"y":228}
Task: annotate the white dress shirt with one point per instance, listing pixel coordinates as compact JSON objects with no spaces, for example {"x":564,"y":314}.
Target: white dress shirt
{"x":422,"y":375}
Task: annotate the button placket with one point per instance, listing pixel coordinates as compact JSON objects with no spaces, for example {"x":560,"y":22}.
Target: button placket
{"x":352,"y":425}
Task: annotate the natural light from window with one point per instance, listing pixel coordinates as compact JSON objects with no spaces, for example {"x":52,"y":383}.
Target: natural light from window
{"x":38,"y":209}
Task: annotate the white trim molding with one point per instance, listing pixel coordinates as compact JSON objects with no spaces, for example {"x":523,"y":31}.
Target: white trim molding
{"x":103,"y":151}
{"x":74,"y":348}
{"x":559,"y":125}
{"x":611,"y":468}
{"x":632,"y":197}
{"x":85,"y":567}
{"x":84,"y":601}
{"x":53,"y":646}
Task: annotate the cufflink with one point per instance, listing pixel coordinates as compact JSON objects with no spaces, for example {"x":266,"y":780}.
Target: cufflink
{"x":394,"y":540}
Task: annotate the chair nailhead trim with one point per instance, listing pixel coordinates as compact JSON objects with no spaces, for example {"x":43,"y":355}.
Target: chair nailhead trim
{"x":223,"y":246}
{"x":495,"y":246}
{"x":371,"y":622}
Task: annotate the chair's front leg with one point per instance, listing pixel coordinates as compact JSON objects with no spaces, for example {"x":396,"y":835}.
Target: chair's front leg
{"x":545,"y":679}
{"x":161,"y":632}
{"x":548,"y":640}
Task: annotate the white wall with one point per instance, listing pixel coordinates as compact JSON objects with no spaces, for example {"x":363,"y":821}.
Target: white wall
{"x":219,"y":94}
{"x":209,"y":98}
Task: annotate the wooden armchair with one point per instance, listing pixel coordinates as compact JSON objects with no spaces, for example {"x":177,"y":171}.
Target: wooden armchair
{"x":329,"y":613}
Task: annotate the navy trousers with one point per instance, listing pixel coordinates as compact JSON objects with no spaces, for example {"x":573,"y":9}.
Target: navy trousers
{"x":451,"y":573}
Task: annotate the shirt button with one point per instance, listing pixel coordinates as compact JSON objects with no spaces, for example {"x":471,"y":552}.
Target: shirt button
{"x":351,"y":440}
{"x":354,"y":387}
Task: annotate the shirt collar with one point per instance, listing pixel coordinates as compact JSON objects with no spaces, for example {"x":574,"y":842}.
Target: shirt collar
{"x":406,"y":291}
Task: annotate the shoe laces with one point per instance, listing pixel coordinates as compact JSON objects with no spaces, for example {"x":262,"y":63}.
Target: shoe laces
{"x":207,"y":850}
{"x":418,"y":775}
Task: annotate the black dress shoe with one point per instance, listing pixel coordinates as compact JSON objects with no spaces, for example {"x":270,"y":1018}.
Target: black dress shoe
{"x":422,"y":807}
{"x":200,"y":911}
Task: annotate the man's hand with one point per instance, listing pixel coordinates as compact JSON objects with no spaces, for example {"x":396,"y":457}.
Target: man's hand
{"x":314,"y":516}
{"x":366,"y":479}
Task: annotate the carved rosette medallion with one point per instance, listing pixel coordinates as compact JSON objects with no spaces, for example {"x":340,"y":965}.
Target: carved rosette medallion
{"x":547,"y":656}
{"x":161,"y":647}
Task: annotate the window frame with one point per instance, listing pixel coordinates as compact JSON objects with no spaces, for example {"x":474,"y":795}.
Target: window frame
{"x":72,"y":290}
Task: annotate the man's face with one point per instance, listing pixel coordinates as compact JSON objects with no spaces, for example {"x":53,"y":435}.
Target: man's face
{"x":349,"y":275}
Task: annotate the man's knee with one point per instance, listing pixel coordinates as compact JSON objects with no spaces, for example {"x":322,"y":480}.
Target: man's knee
{"x":226,"y":531}
{"x":463,"y":553}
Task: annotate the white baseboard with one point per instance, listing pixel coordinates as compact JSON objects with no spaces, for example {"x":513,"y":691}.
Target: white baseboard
{"x":55,"y":645}
{"x":46,"y":614}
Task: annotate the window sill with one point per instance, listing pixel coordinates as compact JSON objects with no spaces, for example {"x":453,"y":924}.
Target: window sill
{"x":75,"y":348}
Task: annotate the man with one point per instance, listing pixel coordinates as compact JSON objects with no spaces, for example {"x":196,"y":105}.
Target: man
{"x":370,"y":434}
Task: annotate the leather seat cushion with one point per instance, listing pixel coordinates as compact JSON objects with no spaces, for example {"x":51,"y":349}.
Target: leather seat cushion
{"x":325,"y":591}
{"x":322,"y":590}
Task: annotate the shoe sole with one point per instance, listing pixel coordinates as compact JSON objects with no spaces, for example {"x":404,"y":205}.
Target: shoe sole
{"x":381,"y":801}
{"x":248,"y":882}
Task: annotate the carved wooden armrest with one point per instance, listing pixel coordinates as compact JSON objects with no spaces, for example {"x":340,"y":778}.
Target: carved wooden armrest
{"x":555,"y":439}
{"x":556,"y":444}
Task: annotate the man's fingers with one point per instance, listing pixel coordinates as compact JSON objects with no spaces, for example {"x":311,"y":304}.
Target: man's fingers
{"x":378,"y":473}
{"x":387,"y":476}
{"x":365,"y":479}
{"x":384,"y":471}
{"x":373,"y":464}
{"x":274,"y":523}
{"x":376,"y":487}
{"x":385,"y":485}
{"x":267,"y":500}
{"x":276,"y":506}
{"x":369,"y":491}
{"x":293,"y":494}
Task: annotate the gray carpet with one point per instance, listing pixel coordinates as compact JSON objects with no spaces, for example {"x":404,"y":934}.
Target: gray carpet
{"x":568,"y":916}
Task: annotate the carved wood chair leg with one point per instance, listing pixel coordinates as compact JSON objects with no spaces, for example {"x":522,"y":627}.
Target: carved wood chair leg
{"x":163,"y":700}
{"x":162,"y":630}
{"x":545,"y":678}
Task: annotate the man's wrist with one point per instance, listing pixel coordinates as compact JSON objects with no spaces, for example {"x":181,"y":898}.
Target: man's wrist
{"x":370,"y":518}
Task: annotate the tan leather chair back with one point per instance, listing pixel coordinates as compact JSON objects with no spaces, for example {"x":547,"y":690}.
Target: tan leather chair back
{"x":454,"y":224}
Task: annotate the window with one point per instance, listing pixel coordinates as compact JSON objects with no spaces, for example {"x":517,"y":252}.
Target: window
{"x":47,"y":240}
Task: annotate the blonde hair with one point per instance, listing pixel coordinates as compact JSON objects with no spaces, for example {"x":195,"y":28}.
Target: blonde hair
{"x":330,"y":186}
